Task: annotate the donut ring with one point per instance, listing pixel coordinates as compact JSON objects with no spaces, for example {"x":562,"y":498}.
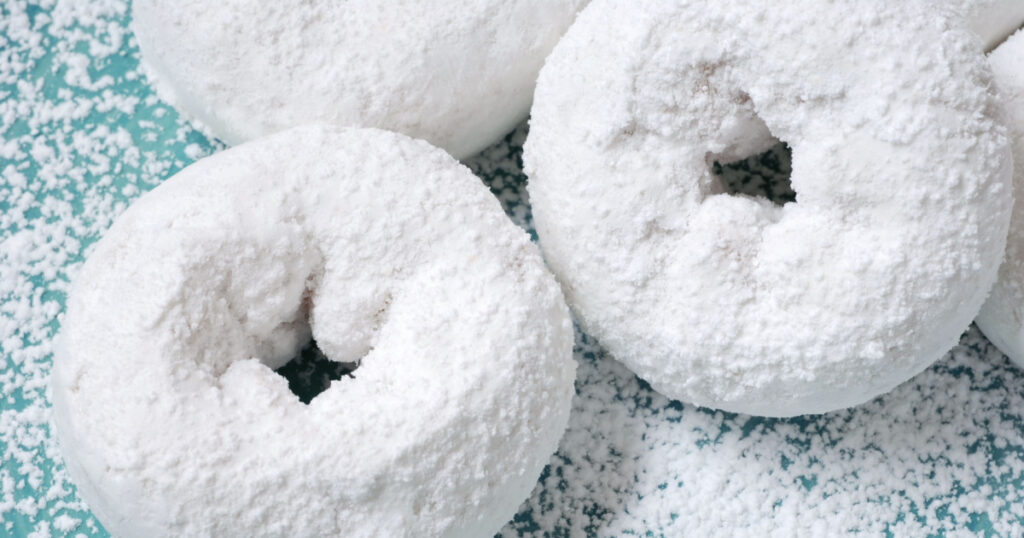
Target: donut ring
{"x":458,"y":74}
{"x":1002,"y":316}
{"x":992,"y":20}
{"x":171,"y":419}
{"x":901,"y":169}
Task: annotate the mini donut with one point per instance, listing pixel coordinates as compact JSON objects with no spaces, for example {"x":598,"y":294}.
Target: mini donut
{"x":458,"y":74}
{"x":992,"y":20}
{"x":383,"y":249}
{"x":901,"y":168}
{"x":1002,"y":316}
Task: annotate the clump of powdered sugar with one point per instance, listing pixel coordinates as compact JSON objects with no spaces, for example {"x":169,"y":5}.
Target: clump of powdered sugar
{"x":943,"y":453}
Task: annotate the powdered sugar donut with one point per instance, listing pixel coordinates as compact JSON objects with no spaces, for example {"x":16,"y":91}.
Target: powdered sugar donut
{"x":901,"y":169}
{"x":458,"y":74}
{"x":1002,"y":316}
{"x":171,"y":419}
{"x":993,"y":20}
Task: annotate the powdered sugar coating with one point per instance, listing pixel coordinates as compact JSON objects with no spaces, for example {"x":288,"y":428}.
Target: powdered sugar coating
{"x":1002,"y":316}
{"x":942,"y":454}
{"x":458,"y":74}
{"x":395,"y":254}
{"x":992,"y":20}
{"x":901,"y":169}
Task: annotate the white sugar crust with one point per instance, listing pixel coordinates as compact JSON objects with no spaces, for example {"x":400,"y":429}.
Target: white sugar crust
{"x":992,"y":20}
{"x":901,"y":165}
{"x":171,"y":419}
{"x":459,"y":74}
{"x":1002,"y":316}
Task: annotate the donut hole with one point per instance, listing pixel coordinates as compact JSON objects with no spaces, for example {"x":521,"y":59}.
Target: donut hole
{"x":310,"y":372}
{"x":764,"y":175}
{"x":312,"y":366}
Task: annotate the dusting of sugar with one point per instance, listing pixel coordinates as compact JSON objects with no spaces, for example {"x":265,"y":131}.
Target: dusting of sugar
{"x":992,"y":20}
{"x":1002,"y":316}
{"x":459,"y":75}
{"x":901,"y":168}
{"x":386,"y":252}
{"x":942,"y":454}
{"x":73,"y":137}
{"x":939,"y":455}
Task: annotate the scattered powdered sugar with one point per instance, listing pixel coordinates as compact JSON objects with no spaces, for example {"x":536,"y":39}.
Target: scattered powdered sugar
{"x":944,"y":453}
{"x":80,"y":136}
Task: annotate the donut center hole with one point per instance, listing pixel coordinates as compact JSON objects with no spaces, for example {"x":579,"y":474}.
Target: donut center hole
{"x":766,"y":175}
{"x":311,"y":372}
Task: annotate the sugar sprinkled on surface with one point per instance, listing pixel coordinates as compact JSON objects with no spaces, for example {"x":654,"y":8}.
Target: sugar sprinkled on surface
{"x":943,"y":453}
{"x":77,"y":140}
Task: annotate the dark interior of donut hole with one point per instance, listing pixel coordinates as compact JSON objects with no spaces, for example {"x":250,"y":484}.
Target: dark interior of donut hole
{"x":311,"y":372}
{"x":765,"y":175}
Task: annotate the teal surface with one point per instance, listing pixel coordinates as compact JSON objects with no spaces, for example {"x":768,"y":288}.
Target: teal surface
{"x":82,"y":135}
